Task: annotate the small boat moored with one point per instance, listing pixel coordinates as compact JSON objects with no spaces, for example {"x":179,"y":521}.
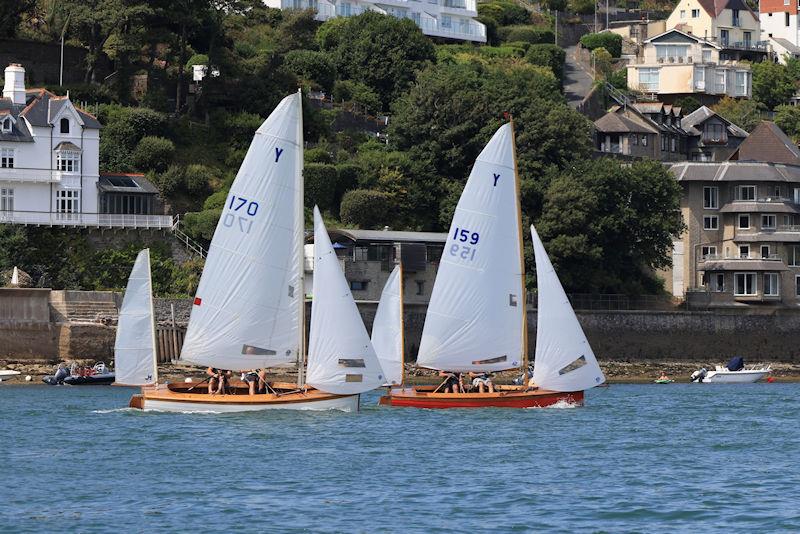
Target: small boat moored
{"x":734,"y":373}
{"x":7,"y":374}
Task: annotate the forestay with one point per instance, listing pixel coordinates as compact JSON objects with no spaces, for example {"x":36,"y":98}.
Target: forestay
{"x":387,"y":328}
{"x":341,"y":359}
{"x":476,"y":313}
{"x":564,"y":360}
{"x":247,"y":310}
{"x":135,"y":345}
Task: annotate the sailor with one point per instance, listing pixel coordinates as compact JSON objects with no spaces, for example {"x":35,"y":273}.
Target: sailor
{"x":252,"y":379}
{"x":218,"y":381}
{"x":482,"y":381}
{"x":452,"y":382}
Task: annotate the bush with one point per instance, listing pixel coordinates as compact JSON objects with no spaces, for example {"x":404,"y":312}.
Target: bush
{"x":198,"y":178}
{"x":366,"y":208}
{"x":504,"y":12}
{"x":527,"y":34}
{"x":582,"y":7}
{"x":610,"y":41}
{"x":312,"y":66}
{"x":153,"y":154}
{"x":548,"y":55}
{"x":171,"y":180}
{"x":328,"y":33}
{"x":320,"y":185}
{"x":347,"y":177}
{"x":201,"y":224}
{"x":239,"y":129}
{"x":350,"y":91}
{"x":318,"y":154}
{"x":197,"y":59}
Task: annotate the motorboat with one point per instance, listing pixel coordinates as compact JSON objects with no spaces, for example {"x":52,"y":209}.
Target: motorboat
{"x":734,"y":373}
{"x":6,"y":374}
{"x":98,"y":375}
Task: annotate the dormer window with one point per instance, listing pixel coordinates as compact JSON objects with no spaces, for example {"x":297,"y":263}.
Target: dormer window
{"x":68,"y":157}
{"x":6,"y":125}
{"x":64,"y":126}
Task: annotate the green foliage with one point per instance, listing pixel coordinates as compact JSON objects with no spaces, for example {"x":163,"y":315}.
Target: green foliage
{"x":201,"y":225}
{"x":328,"y":34}
{"x":548,"y":55}
{"x":197,"y":59}
{"x":171,"y":180}
{"x":793,"y":66}
{"x":602,"y":62}
{"x":348,"y":176}
{"x":381,"y":52}
{"x":610,"y":41}
{"x":773,"y":85}
{"x":606,"y":226}
{"x":619,"y":79}
{"x":319,"y":154}
{"x":526,"y":34}
{"x":688,"y":104}
{"x":788,"y":119}
{"x":153,"y":154}
{"x":314,"y":67}
{"x":350,"y":91}
{"x":744,"y":113}
{"x":504,"y":12}
{"x":297,"y":31}
{"x":365,"y":208}
{"x":320,"y":185}
{"x":198,"y":179}
{"x":239,"y":128}
{"x":582,"y":7}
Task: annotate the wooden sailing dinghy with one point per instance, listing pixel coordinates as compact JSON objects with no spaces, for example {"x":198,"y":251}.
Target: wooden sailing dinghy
{"x":249,"y":309}
{"x":476,"y":319}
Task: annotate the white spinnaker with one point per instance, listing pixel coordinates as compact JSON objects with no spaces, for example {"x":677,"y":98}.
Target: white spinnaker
{"x":564,"y":360}
{"x":475,"y":316}
{"x":135,"y":345}
{"x":387,"y":329}
{"x":341,"y":359}
{"x":246,"y":312}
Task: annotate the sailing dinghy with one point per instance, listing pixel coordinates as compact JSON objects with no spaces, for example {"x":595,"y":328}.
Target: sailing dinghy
{"x":476,"y":319}
{"x":387,"y":328}
{"x":248,"y":312}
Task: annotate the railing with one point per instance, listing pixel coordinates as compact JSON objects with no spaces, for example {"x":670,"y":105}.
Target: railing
{"x":743,"y":257}
{"x":756,"y":46}
{"x":775,"y":200}
{"x":190,"y":244}
{"x":616,"y":302}
{"x":30,"y":175}
{"x":105,"y":220}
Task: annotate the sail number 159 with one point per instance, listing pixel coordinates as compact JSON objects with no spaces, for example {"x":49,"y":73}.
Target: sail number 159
{"x":465,"y":244}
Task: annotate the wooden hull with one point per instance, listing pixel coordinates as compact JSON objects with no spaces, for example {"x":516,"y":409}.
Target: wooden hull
{"x":177,"y":398}
{"x":505,"y":397}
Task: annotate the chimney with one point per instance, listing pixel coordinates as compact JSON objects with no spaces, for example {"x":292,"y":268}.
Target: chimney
{"x":15,"y":84}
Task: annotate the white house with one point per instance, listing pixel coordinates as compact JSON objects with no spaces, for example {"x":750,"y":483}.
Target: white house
{"x":779,"y":24}
{"x":454,"y":19}
{"x":49,"y":165}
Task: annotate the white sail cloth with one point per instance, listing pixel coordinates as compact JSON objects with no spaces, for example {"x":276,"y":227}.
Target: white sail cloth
{"x":247,"y":310}
{"x":564,"y":360}
{"x":341,"y":359}
{"x":476,"y":312}
{"x":387,"y":328}
{"x":135,"y":345}
{"x":15,"y":276}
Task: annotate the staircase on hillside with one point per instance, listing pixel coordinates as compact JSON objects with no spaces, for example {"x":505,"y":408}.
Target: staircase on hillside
{"x":191,"y":246}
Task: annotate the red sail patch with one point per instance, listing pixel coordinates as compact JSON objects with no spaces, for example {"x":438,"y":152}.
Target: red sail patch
{"x":198,"y":301}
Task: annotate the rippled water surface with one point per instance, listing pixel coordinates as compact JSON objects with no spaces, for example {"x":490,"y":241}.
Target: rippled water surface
{"x":641,"y":458}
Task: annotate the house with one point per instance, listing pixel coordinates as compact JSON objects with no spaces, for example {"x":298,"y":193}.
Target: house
{"x":742,"y":242}
{"x":676,"y":64}
{"x":453,"y":19}
{"x":49,"y":164}
{"x":642,"y":130}
{"x":369,"y":256}
{"x":730,"y":24}
{"x":710,"y":137}
{"x":780,"y":27}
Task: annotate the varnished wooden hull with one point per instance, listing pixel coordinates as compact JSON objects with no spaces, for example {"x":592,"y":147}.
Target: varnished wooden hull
{"x":505,"y":397}
{"x":177,"y":398}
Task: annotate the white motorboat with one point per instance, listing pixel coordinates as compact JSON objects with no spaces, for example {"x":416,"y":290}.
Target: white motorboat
{"x":6,"y":374}
{"x":733,"y":373}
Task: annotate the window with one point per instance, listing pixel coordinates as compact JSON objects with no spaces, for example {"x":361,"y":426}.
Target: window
{"x":6,"y":199}
{"x":744,"y":284}
{"x":710,"y":222}
{"x":706,"y":56}
{"x":765,"y":252}
{"x":771,"y":285}
{"x":673,"y":144}
{"x":797,"y":285}
{"x":67,"y":201}
{"x":707,"y":251}
{"x":345,"y":9}
{"x":768,"y":222}
{"x":786,"y":19}
{"x":447,"y":21}
{"x":672,"y":51}
{"x":68,"y":161}
{"x":744,"y":252}
{"x":695,"y":13}
{"x":6,"y":125}
{"x":736,"y":20}
{"x":360,"y":254}
{"x":748,"y":39}
{"x":6,"y":158}
{"x":663,"y":143}
{"x":745,"y":192}
{"x":744,"y":221}
{"x":648,"y":79}
{"x":420,"y":287}
{"x":724,"y":35}
{"x":358,"y":285}
{"x":741,"y":83}
{"x":721,"y":81}
{"x":777,"y":191}
{"x":64,"y":126}
{"x":634,"y":139}
{"x":794,"y":255}
{"x":711,"y":198}
{"x":644,"y":143}
{"x":415,"y":17}
{"x":683,"y":13}
{"x":713,"y":133}
{"x":718,"y":282}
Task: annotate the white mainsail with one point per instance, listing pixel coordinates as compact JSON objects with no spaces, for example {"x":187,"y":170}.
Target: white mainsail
{"x":477,"y":311}
{"x":387,"y":328}
{"x":341,"y":359}
{"x":135,"y":345}
{"x":247,"y":312}
{"x":15,"y":276}
{"x":564,"y":360}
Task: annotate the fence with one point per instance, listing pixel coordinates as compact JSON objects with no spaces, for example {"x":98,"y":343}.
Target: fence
{"x":616,"y":302}
{"x":169,"y":341}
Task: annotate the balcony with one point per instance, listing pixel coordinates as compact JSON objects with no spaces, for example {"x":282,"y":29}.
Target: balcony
{"x":761,"y":205}
{"x":460,"y":7}
{"x":86,"y":220}
{"x":30,"y":175}
{"x":779,"y":234}
{"x":719,"y":262}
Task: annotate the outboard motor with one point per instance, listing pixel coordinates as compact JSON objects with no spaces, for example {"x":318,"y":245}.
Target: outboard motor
{"x":699,"y":375}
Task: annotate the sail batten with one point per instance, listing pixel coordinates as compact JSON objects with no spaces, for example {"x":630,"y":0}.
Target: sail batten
{"x":243,"y":299}
{"x":337,"y":331}
{"x":134,"y":346}
{"x":387,"y":328}
{"x":476,"y":307}
{"x":564,"y":359}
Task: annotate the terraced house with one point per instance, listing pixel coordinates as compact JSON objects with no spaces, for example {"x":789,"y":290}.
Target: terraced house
{"x":453,"y":19}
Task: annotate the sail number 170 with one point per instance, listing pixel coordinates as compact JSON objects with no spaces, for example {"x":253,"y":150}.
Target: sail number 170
{"x":464,"y":245}
{"x":240,"y":212}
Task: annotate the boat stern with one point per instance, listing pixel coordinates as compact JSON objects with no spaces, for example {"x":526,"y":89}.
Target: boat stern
{"x":137,"y":401}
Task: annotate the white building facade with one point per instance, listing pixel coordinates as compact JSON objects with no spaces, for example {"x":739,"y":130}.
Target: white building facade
{"x":49,"y":161}
{"x":453,"y":19}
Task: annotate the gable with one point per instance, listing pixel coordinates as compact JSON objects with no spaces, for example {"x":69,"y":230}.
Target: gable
{"x":672,"y":37}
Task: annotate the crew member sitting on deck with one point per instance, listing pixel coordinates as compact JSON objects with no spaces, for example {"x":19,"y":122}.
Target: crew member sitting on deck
{"x":218,"y":381}
{"x":251,"y":378}
{"x":452,"y":382}
{"x":482,"y":381}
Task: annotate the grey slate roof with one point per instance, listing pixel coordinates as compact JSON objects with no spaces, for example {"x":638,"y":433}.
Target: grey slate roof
{"x":19,"y":133}
{"x":141,"y":184}
{"x":697,"y":117}
{"x":388,"y":236}
{"x":735,"y":171}
{"x":788,"y":45}
{"x":40,"y":108}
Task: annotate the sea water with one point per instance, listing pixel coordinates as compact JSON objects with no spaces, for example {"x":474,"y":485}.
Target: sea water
{"x":636,"y":458}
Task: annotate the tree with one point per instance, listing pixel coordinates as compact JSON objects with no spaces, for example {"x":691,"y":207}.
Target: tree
{"x":153,"y":154}
{"x":548,"y":55}
{"x":688,"y":104}
{"x":381,"y":52}
{"x":366,"y":208}
{"x":743,"y":113}
{"x":612,"y":42}
{"x":608,"y":226}
{"x":772,"y":84}
{"x":312,"y":66}
{"x":10,"y":14}
{"x":788,"y":119}
{"x":602,"y":62}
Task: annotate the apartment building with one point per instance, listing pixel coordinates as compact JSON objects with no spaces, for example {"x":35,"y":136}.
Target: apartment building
{"x":452,"y":19}
{"x":780,"y":26}
{"x":676,"y":64}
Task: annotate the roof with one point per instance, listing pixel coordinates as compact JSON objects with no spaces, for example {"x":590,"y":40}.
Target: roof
{"x":19,"y":131}
{"x":67,"y":145}
{"x":697,"y":117}
{"x":768,"y":143}
{"x":759,"y":207}
{"x":715,"y":7}
{"x":387,"y":236}
{"x":649,"y":107}
{"x":614,"y":122}
{"x":735,"y":171}
{"x":788,"y":45}
{"x":125,"y":183}
{"x":686,"y":36}
{"x":41,"y":107}
{"x":734,"y":264}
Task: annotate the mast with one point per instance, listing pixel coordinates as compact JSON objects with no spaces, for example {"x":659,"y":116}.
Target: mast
{"x":152,"y":319}
{"x":402,"y":330}
{"x":524,"y":303}
{"x":301,"y":224}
